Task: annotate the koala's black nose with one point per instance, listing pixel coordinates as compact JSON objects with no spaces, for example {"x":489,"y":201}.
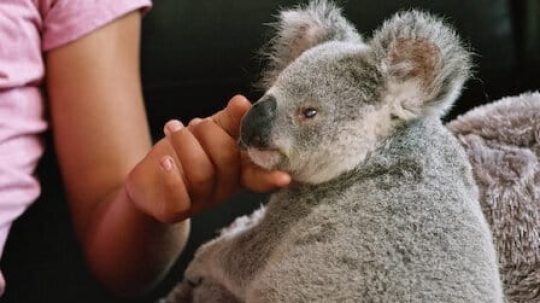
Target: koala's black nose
{"x":257,"y":123}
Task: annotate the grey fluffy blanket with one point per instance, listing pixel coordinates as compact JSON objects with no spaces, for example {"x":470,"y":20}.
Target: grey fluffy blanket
{"x":502,"y":140}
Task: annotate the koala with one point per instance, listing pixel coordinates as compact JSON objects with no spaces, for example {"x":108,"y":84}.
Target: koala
{"x":383,"y":206}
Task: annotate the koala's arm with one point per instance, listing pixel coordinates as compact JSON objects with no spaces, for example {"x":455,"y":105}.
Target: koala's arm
{"x":302,"y":267}
{"x":314,"y":272}
{"x":204,"y":279}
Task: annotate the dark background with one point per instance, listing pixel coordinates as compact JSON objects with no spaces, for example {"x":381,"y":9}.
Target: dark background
{"x":195,"y":56}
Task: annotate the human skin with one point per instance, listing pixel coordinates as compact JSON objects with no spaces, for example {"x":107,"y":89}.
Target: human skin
{"x":131,"y":201}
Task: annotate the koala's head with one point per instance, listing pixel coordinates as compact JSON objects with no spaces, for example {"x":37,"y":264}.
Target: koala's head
{"x":331,"y":97}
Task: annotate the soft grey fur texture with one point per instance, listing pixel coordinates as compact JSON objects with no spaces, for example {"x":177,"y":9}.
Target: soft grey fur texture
{"x":502,"y":140}
{"x":383,"y":207}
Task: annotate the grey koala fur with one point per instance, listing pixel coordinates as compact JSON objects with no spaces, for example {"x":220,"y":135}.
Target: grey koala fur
{"x":383,"y":207}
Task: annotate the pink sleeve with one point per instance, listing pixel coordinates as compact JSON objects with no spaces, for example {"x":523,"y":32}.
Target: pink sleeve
{"x":67,"y":20}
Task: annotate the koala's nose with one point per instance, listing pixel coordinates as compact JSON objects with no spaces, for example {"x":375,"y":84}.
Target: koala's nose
{"x":257,"y":123}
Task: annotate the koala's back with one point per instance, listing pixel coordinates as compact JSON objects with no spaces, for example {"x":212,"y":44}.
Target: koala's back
{"x":406,"y":227}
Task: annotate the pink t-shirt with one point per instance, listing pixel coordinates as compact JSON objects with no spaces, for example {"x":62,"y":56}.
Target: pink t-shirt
{"x":27,"y":29}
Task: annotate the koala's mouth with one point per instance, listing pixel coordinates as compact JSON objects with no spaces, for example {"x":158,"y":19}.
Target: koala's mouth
{"x":267,"y":158}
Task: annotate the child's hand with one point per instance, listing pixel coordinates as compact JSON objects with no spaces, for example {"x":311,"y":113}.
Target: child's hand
{"x":197,"y":166}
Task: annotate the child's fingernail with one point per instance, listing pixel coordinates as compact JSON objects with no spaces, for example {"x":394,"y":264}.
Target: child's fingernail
{"x":166,"y":163}
{"x":172,"y":126}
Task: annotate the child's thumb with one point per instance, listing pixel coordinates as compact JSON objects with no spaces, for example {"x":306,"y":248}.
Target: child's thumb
{"x":230,"y":117}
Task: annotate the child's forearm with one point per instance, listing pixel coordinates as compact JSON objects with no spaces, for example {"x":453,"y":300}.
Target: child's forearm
{"x":128,"y":250}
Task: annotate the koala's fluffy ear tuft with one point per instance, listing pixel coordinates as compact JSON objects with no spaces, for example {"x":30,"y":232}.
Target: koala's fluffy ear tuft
{"x":423,"y":63}
{"x":302,"y":28}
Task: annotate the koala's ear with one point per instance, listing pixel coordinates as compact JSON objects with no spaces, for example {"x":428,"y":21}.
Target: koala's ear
{"x":422,"y":62}
{"x":302,"y":28}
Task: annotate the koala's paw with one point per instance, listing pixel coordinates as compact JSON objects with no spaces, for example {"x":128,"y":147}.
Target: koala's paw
{"x":201,"y":291}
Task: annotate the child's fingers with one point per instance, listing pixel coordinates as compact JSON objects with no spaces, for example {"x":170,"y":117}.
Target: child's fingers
{"x":258,"y":179}
{"x":225,"y":156}
{"x":229,"y":118}
{"x":176,"y":199}
{"x":198,"y":169}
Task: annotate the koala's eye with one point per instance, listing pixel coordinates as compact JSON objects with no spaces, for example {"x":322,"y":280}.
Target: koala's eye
{"x":309,"y":113}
